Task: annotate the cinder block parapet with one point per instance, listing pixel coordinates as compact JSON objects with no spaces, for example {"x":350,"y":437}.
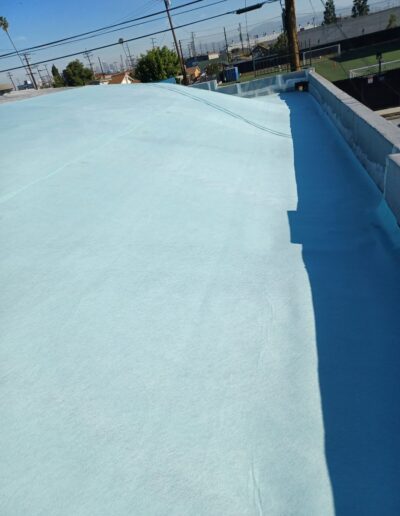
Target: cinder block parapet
{"x":371,"y":137}
{"x":392,"y":184}
{"x":374,"y":140}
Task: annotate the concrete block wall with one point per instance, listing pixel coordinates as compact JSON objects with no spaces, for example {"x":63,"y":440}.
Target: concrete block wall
{"x":374,"y":140}
{"x":392,"y":184}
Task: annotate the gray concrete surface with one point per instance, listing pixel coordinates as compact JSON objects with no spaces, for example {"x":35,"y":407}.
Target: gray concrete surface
{"x":28,"y":94}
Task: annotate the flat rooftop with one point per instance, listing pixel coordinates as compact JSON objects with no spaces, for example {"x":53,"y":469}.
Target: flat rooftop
{"x":199,"y":309}
{"x":28,"y":94}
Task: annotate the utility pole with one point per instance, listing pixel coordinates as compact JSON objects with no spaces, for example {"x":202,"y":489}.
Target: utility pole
{"x":101,"y":68}
{"x":241,"y":36}
{"x":193,"y":46}
{"x":129,"y":60}
{"x":180,"y":47}
{"x":40,"y":76}
{"x":247,"y":27}
{"x":88,"y":56}
{"x":153,"y":43}
{"x":226,"y":46}
{"x":291,"y":31}
{"x":30,"y":71}
{"x":130,"y":56}
{"x":48,"y":74}
{"x":11,"y":79}
{"x":185,"y":80}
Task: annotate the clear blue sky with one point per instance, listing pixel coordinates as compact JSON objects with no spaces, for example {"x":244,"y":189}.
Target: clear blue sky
{"x":37,"y":21}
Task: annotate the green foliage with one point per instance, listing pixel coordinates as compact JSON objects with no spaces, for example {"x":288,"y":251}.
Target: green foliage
{"x":75,"y":74}
{"x":392,"y":22}
{"x":58,"y":81}
{"x":329,"y":13}
{"x":213,"y":69}
{"x":5,"y":26}
{"x":3,"y":23}
{"x":360,"y":8}
{"x":281,"y":45}
{"x":157,"y":64}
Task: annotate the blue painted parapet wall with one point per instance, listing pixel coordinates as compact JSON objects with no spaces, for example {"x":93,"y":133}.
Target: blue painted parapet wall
{"x":265,"y":86}
{"x":374,"y":140}
{"x":258,"y":87}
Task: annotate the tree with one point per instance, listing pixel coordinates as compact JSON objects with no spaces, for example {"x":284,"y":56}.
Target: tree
{"x":329,"y":13}
{"x":58,"y":81}
{"x":392,"y":21}
{"x":360,"y":8}
{"x":213,"y":69}
{"x":281,"y":44}
{"x":5,"y":26}
{"x":75,"y":74}
{"x":157,"y":64}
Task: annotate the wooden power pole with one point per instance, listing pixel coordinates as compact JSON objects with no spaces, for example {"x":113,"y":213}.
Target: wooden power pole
{"x":11,"y":79}
{"x":180,"y":56}
{"x":226,"y":46}
{"x":291,"y":31}
{"x":28,"y":65}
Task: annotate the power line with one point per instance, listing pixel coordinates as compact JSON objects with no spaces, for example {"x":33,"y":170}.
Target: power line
{"x":50,"y":45}
{"x":135,"y":39}
{"x":101,"y":28}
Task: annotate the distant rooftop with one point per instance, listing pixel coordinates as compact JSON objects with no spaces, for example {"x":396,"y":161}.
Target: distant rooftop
{"x":28,"y":94}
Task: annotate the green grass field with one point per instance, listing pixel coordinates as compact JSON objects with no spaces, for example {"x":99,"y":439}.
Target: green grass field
{"x":337,"y":68}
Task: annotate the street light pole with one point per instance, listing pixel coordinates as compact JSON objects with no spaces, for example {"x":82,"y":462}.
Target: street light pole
{"x":185,"y":79}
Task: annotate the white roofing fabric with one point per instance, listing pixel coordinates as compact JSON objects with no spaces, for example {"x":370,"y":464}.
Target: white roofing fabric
{"x":199,"y":310}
